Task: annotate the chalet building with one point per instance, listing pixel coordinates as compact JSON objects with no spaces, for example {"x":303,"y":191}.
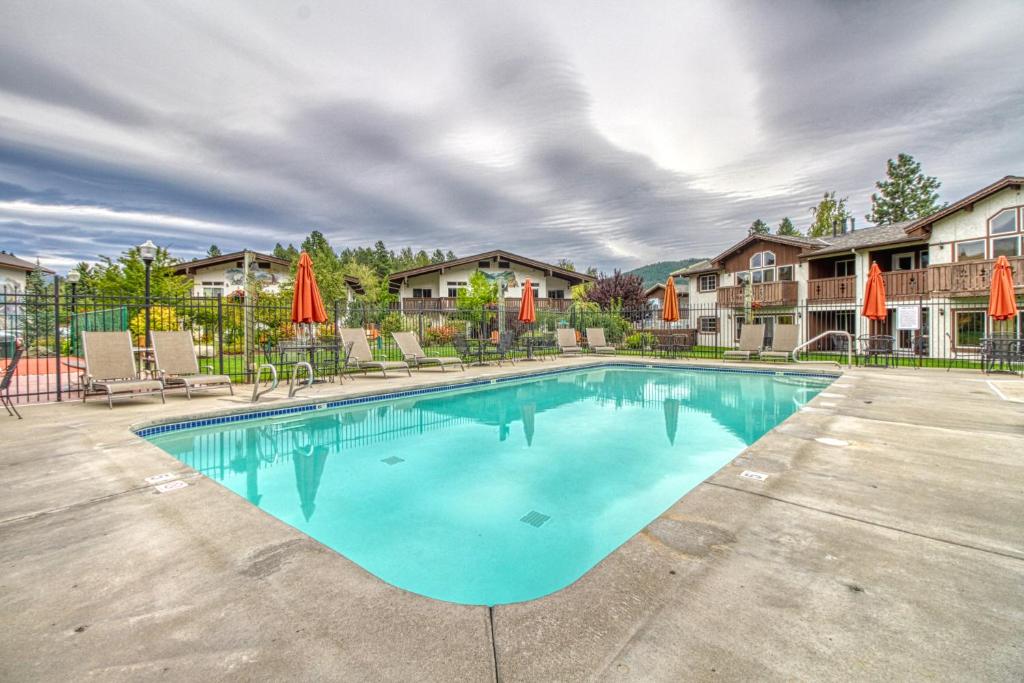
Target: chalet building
{"x":435,"y":287}
{"x":937,"y":273}
{"x":14,"y":272}
{"x":226,"y":274}
{"x":655,"y":295}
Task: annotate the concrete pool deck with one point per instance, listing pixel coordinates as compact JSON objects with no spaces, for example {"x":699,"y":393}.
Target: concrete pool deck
{"x":897,"y":556}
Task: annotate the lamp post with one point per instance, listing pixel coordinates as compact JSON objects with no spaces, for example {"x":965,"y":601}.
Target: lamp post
{"x":73,"y":278}
{"x":147,"y":252}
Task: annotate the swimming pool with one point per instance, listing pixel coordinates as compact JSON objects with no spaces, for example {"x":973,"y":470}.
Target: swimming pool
{"x":496,"y":493}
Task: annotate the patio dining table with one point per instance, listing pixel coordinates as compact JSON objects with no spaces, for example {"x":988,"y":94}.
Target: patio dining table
{"x":480,"y":345}
{"x":1002,"y":354}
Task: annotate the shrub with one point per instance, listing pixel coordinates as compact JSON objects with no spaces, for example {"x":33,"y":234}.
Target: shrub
{"x":161,"y":319}
{"x":640,"y":340}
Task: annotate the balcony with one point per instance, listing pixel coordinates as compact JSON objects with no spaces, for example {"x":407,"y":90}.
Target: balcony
{"x":764,"y":294}
{"x":447,"y":303}
{"x":832,"y":289}
{"x":902,"y":284}
{"x":971,"y":277}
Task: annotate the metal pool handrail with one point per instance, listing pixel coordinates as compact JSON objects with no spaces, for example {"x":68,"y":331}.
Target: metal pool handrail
{"x":293,"y":385}
{"x":849,"y":348}
{"x":256,"y":392}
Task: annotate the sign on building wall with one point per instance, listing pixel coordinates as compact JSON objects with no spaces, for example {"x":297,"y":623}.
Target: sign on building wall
{"x":908,"y":317}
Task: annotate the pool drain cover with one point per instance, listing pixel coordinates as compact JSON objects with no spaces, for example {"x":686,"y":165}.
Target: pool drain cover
{"x":393,"y":460}
{"x":534,"y":518}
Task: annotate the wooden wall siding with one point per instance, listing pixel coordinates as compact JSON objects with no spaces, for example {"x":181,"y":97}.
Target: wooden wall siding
{"x":785,"y":255}
{"x":825,"y":267}
{"x":970,"y":277}
{"x":765,"y":294}
{"x":832,"y":289}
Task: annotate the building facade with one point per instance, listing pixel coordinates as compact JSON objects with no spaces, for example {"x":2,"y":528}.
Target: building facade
{"x":14,"y":272}
{"x":225,"y":275}
{"x":937,"y":272}
{"x":435,"y":287}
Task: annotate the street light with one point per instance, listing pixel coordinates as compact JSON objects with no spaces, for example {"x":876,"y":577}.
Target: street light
{"x":73,"y":279}
{"x":147,"y":252}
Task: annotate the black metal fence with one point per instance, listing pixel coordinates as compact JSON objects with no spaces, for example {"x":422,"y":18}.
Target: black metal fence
{"x":236,"y":337}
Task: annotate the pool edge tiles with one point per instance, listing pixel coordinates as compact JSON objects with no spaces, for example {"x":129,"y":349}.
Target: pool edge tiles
{"x":162,"y":426}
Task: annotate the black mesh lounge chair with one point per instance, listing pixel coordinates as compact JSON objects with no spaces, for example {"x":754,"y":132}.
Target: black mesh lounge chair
{"x":8,"y":376}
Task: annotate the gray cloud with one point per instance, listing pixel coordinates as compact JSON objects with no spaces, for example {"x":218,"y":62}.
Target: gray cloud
{"x":471,"y":127}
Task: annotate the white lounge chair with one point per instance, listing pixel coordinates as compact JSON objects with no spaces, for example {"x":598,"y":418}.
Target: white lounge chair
{"x":415,"y":356}
{"x":567,"y":341}
{"x":596,"y":341}
{"x":784,"y":341}
{"x":178,"y":367}
{"x":751,"y":343}
{"x":362,"y":356}
{"x":110,"y":368}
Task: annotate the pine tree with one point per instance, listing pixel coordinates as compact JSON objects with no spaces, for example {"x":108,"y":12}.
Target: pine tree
{"x":214,"y":250}
{"x":828,"y":213}
{"x":787,"y":229}
{"x":437,"y":256}
{"x":759,"y":227}
{"x":905,"y":194}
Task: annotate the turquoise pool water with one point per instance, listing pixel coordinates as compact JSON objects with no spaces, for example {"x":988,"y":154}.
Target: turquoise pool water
{"x":499,"y":493}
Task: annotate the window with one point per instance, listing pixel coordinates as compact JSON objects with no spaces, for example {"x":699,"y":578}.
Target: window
{"x":769,"y":274}
{"x":1003,"y":222}
{"x":213,"y":291}
{"x":707,"y":283}
{"x":761,"y":267}
{"x":845,"y":268}
{"x":970,"y":328}
{"x":742,"y":277}
{"x":418,"y":293}
{"x":904,"y":261}
{"x":970,"y":251}
{"x":785,"y":273}
{"x":503,"y":264}
{"x":483,"y":264}
{"x":556,"y":293}
{"x":755,"y":261}
{"x":454,"y":287}
{"x":757,"y":277}
{"x":769,"y":258}
{"x":1005,"y":246}
{"x":708,"y":325}
{"x":922,"y":258}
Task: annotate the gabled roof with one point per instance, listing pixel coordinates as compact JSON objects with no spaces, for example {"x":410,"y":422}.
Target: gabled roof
{"x":355,"y":284}
{"x":191,"y":266}
{"x":874,"y":236}
{"x":923,"y":226}
{"x":803,"y":242}
{"x":659,"y":289}
{"x":571,"y":276}
{"x":704,"y":266}
{"x":11,"y":261}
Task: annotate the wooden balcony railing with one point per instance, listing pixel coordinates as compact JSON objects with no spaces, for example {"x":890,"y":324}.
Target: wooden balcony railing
{"x":901,"y":284}
{"x":832,"y":288}
{"x":447,"y":303}
{"x":765,"y":294}
{"x":970,"y":277}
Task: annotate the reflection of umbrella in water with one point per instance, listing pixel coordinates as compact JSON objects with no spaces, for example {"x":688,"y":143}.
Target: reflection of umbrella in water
{"x":529,"y":411}
{"x":671,"y":406}
{"x":309,"y":467}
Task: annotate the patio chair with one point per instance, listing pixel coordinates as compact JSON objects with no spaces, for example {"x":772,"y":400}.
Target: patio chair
{"x":110,"y":368}
{"x":567,"y":341}
{"x":362,"y":356}
{"x":8,"y":376}
{"x":751,"y":343}
{"x":414,"y":355}
{"x":785,"y":341}
{"x":506,"y":345}
{"x":178,"y":367}
{"x":596,"y":341}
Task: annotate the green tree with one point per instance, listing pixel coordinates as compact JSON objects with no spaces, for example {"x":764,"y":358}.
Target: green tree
{"x":829,"y":212}
{"x":437,"y":256}
{"x":566,"y":264}
{"x":214,"y":250}
{"x":289,"y":253}
{"x":906,"y":193}
{"x":449,"y":255}
{"x":472,"y":301}
{"x":787,"y":229}
{"x":126,"y":276}
{"x":759,"y":227}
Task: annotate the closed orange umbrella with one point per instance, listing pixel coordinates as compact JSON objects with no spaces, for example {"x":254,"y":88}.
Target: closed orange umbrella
{"x":307,"y":306}
{"x":527,"y":314}
{"x":874,"y":296}
{"x":670,"y":309}
{"x":1002,"y":303}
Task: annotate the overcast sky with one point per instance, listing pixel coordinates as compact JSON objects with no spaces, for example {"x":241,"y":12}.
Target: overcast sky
{"x":611,"y":133}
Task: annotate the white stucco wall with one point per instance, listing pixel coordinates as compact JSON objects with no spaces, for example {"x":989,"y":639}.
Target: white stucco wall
{"x":966,"y":225}
{"x":438,"y":282}
{"x":229,"y":276}
{"x":13,"y":279}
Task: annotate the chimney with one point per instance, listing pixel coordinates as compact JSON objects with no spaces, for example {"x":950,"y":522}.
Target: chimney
{"x":852,"y":219}
{"x":835,"y":227}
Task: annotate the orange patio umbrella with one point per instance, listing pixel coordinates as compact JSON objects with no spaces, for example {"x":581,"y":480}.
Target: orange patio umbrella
{"x":307,"y":306}
{"x":527,"y":313}
{"x":670,"y":308}
{"x":1002,"y":302}
{"x":874,"y":295}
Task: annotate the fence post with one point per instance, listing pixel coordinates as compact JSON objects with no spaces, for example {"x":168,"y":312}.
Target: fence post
{"x":56,"y":332}
{"x":220,"y":333}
